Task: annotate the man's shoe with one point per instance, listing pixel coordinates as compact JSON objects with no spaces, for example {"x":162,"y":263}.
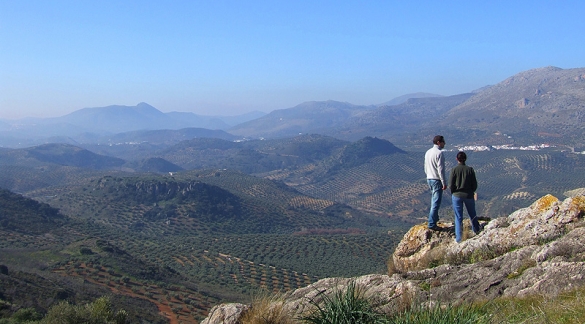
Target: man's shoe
{"x":436,"y":228}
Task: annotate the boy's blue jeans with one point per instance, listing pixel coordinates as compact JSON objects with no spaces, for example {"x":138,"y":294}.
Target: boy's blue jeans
{"x":458,"y":210}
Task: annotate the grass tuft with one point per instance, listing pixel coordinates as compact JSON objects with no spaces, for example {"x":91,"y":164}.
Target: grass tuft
{"x":565,"y":308}
{"x":344,"y":307}
{"x":391,"y":267}
{"x":267,"y":309}
{"x":526,"y":264}
{"x":441,"y":315}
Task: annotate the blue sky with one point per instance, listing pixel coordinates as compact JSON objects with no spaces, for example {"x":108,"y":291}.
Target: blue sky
{"x":231,"y":57}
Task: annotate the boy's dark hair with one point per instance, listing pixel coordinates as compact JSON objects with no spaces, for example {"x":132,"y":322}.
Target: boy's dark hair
{"x":461,"y":157}
{"x":438,"y":138}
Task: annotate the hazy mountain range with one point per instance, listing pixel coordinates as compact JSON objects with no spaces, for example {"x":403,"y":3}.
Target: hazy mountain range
{"x":97,"y":125}
{"x":539,"y":105}
{"x":546,"y":105}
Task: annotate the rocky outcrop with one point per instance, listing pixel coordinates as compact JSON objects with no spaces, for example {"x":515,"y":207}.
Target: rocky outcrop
{"x":536,"y":250}
{"x":225,"y":313}
{"x":545,"y":220}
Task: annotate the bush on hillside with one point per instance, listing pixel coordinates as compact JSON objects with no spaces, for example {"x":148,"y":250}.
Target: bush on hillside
{"x":99,"y":311}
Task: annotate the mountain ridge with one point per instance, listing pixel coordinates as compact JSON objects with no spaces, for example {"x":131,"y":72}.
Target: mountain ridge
{"x":88,"y":125}
{"x":536,"y":102}
{"x":537,"y":105}
{"x":406,"y":97}
{"x":306,"y":117}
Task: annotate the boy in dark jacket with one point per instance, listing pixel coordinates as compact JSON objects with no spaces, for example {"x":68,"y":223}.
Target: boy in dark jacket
{"x":463,"y":184}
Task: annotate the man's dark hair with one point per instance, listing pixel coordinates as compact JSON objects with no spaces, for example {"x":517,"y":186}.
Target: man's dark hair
{"x":438,"y":138}
{"x":461,"y":157}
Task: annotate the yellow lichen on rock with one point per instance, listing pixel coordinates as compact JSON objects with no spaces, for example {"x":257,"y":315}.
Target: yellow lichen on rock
{"x":421,"y":247}
{"x":579,"y":202}
{"x":410,"y":244}
{"x":575,"y":192}
{"x":545,"y":202}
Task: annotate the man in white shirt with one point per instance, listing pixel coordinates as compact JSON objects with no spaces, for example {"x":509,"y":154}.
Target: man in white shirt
{"x":435,"y":170}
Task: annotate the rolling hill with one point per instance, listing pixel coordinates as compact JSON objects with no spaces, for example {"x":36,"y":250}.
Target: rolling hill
{"x":164,"y":136}
{"x":308,"y":117}
{"x":206,"y":201}
{"x":254,"y":156}
{"x":155,"y":164}
{"x":371,"y":175}
{"x":27,"y":216}
{"x":392,"y":183}
{"x":69,"y":155}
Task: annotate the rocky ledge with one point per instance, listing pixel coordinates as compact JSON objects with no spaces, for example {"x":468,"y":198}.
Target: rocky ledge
{"x":536,"y":250}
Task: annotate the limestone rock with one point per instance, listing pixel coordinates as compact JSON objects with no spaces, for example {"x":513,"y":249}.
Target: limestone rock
{"x":386,"y":292}
{"x":421,"y":247}
{"x":225,"y":314}
{"x":545,"y":220}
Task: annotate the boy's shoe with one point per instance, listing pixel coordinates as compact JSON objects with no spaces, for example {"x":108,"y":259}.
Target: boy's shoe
{"x":481,"y":226}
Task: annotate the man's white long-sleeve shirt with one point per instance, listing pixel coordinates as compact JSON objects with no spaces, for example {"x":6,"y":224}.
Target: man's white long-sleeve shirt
{"x":435,"y":164}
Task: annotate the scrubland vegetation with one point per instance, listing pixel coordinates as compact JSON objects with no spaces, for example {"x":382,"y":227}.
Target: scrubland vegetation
{"x":350,"y":306}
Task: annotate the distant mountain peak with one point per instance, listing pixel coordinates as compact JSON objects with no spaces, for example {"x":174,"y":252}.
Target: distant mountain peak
{"x":144,"y":105}
{"x":404,"y":98}
{"x":547,"y":68}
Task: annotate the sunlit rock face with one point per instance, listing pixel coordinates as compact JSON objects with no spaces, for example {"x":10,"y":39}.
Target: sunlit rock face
{"x":225,"y":314}
{"x":545,"y":220}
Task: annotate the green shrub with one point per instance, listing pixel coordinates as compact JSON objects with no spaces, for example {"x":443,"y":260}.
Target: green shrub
{"x":85,"y":251}
{"x":98,"y":312}
{"x":25,"y":315}
{"x":425,"y":286}
{"x":344,"y":307}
